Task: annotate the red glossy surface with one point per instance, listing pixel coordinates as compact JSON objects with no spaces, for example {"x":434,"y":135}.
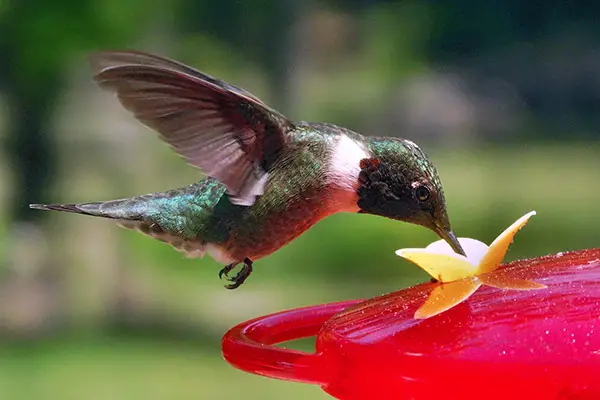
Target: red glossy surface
{"x":540,"y":344}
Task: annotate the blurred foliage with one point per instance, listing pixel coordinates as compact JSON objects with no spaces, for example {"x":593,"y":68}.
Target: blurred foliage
{"x":38,"y":39}
{"x":503,"y":95}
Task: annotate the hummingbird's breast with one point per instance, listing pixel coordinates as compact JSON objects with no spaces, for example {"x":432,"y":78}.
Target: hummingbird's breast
{"x":316,"y":178}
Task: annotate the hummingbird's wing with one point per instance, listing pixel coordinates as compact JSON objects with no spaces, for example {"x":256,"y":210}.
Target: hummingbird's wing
{"x":227,"y":132}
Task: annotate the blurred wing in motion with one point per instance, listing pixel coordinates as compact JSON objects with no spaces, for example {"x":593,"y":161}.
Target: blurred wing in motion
{"x":227,"y":132}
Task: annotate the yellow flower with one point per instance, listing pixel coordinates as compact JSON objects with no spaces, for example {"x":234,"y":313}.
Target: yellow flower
{"x":461,"y":276}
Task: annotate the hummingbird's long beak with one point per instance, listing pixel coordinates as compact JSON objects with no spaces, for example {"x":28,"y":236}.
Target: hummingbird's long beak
{"x":452,"y":240}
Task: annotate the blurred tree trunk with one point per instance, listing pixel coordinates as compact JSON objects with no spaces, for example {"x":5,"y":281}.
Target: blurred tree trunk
{"x":32,"y":289}
{"x":38,"y":41}
{"x":30,"y":146}
{"x":279,"y":47}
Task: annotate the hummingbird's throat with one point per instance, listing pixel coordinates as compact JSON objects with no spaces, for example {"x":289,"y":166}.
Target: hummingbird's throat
{"x":344,"y":164}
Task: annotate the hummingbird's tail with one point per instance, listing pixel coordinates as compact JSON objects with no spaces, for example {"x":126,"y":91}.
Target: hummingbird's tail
{"x":143,"y":214}
{"x":125,"y":209}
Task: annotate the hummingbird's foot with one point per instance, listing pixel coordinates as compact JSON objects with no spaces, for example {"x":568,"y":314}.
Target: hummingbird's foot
{"x":240,"y":277}
{"x":226,"y":270}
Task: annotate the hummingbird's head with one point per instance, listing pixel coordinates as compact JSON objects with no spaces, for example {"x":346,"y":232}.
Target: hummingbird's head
{"x":398,"y":181}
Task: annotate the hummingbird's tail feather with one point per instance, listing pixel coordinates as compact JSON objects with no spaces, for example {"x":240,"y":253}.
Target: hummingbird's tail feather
{"x":55,"y":207}
{"x":129,"y":216}
{"x":179,"y":217}
{"x":116,"y":209}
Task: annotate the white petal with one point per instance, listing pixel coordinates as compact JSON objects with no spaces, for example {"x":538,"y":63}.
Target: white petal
{"x":474,"y":248}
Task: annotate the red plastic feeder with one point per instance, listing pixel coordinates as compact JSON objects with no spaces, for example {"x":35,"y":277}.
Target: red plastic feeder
{"x":499,"y":344}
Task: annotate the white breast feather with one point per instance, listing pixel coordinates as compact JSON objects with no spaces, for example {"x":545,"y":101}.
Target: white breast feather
{"x":344,"y":166}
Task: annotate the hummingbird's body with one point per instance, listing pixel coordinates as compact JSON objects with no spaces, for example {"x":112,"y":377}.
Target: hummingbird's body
{"x":269,"y":179}
{"x":313,"y":182}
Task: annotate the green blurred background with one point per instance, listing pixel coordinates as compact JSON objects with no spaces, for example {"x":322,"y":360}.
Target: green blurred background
{"x":504,"y":96}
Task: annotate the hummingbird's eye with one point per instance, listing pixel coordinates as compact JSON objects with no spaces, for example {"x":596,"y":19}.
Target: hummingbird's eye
{"x":422,"y":193}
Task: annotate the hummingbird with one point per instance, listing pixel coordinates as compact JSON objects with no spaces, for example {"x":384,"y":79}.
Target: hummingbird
{"x":268,"y":178}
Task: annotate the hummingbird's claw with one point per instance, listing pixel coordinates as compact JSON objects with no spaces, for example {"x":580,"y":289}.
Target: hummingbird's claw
{"x":240,"y":277}
{"x":226,"y":270}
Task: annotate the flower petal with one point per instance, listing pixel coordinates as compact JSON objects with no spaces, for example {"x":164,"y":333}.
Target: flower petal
{"x":474,"y":248}
{"x":499,"y":247}
{"x":502,"y":279}
{"x":446,"y":296}
{"x":443,"y":267}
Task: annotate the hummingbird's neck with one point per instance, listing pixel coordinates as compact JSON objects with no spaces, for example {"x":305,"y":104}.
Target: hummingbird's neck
{"x":343,"y":171}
